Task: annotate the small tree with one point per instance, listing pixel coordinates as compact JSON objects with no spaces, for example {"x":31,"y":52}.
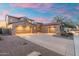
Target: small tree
{"x":60,"y":20}
{"x":69,"y":24}
{"x":64,"y":23}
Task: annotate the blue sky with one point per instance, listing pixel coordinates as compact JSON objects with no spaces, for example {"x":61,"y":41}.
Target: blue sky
{"x":41,"y":12}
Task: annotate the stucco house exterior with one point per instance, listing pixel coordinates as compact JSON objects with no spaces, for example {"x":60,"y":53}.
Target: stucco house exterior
{"x":77,"y":30}
{"x":23,"y":25}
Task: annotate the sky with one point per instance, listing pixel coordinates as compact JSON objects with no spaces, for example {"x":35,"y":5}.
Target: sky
{"x":40,"y":12}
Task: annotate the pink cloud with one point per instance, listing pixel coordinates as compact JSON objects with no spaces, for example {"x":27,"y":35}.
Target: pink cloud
{"x":62,"y":10}
{"x":75,"y":13}
{"x":25,"y":5}
{"x":4,"y":12}
{"x":39,"y":19}
{"x":68,"y":16}
{"x":37,"y":6}
{"x":31,"y":5}
{"x":7,"y":12}
{"x":46,"y":6}
{"x":77,"y":7}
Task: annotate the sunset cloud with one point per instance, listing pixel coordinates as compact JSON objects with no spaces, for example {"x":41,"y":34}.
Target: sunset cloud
{"x":25,"y":5}
{"x":77,"y":7}
{"x":7,"y":12}
{"x":40,"y":12}
{"x":3,"y":14}
{"x":62,"y":10}
{"x":32,"y":5}
{"x":38,"y":6}
{"x":68,"y":15}
{"x":75,"y":13}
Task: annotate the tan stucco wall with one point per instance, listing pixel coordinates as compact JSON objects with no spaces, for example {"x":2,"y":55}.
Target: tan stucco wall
{"x":34,"y":29}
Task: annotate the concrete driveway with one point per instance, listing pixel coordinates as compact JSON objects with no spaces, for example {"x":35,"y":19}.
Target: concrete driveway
{"x":16,"y":46}
{"x":58,"y":44}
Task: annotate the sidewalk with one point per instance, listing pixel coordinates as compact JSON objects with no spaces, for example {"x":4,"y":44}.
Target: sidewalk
{"x":76,"y":44}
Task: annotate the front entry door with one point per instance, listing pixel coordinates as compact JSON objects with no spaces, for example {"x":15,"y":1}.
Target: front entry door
{"x":39,"y":29}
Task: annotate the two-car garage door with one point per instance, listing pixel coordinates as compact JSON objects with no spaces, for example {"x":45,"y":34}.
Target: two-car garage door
{"x":21,"y":29}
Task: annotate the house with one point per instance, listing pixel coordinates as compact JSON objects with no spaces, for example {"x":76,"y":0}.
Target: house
{"x":77,"y":30}
{"x":24,"y":25}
